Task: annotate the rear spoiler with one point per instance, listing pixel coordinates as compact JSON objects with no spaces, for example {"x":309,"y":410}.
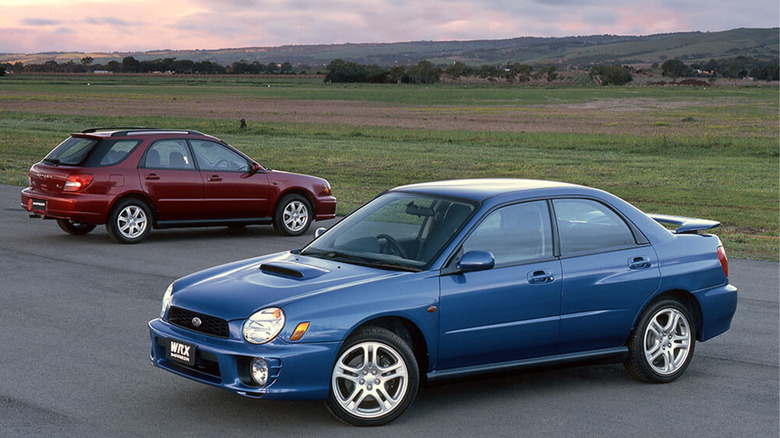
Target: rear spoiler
{"x":685,"y":225}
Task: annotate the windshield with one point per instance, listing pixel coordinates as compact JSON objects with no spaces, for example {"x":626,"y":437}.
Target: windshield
{"x":394,"y":231}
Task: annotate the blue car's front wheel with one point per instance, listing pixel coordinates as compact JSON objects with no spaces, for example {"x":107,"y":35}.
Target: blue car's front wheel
{"x":374,"y":379}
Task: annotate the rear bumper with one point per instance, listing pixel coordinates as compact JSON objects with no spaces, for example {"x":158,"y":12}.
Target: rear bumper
{"x":82,"y":207}
{"x":718,"y":305}
{"x":299,"y":371}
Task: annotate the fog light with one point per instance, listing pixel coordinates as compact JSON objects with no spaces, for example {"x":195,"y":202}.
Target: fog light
{"x":259,"y":371}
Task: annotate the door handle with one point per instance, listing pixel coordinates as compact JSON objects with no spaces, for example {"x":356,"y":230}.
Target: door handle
{"x":537,"y":277}
{"x":638,"y":263}
{"x":215,"y":178}
{"x":152,"y":177}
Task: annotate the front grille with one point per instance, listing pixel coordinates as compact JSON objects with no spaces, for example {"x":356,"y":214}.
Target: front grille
{"x":210,"y":325}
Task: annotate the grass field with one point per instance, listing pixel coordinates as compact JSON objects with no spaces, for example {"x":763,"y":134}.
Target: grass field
{"x":710,"y":153}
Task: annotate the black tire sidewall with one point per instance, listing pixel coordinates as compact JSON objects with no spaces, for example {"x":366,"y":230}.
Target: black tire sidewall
{"x":278,"y":219}
{"x":77,"y":230}
{"x":637,"y":364}
{"x":113,"y":228}
{"x":394,"y":341}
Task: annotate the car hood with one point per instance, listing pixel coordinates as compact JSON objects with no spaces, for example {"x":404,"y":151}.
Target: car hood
{"x":237,"y":290}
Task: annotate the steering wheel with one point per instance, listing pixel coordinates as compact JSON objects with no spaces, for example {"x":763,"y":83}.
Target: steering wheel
{"x":392,"y":246}
{"x":220,"y":163}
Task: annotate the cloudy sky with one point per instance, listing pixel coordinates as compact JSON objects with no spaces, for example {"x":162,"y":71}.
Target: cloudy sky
{"x":29,"y":26}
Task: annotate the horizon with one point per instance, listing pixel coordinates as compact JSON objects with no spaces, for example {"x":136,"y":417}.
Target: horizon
{"x":123,"y":52}
{"x":115,"y":26}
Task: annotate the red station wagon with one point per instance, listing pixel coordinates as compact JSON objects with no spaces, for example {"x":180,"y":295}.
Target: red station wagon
{"x":135,"y":179}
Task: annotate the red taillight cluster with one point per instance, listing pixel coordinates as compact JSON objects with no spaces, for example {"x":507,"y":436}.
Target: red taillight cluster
{"x":724,"y":261}
{"x":77,"y":182}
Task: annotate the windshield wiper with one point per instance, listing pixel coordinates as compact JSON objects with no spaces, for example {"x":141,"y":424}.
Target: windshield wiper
{"x":365,"y":261}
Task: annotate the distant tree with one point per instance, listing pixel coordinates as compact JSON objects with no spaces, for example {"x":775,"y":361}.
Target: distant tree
{"x":611,"y":74}
{"x":272,"y":68}
{"x":130,"y":65}
{"x":521,"y":72}
{"x":486,"y":71}
{"x":425,"y":72}
{"x":2,"y":70}
{"x":396,"y":74}
{"x":239,"y":67}
{"x":87,"y":60}
{"x":114,"y":66}
{"x":457,"y":70}
{"x":674,"y":68}
{"x":286,"y":68}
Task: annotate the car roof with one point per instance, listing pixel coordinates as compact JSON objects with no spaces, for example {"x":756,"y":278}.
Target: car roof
{"x":481,"y":189}
{"x":136,"y":131}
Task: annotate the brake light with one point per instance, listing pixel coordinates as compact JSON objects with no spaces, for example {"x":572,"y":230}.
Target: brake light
{"x":77,"y":182}
{"x":724,"y":261}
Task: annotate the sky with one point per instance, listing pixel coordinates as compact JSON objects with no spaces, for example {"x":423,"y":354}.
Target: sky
{"x":33,"y":26}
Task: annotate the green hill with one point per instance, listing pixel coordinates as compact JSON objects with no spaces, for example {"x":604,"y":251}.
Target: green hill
{"x":580,"y":50}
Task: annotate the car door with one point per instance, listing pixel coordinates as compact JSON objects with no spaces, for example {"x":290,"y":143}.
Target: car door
{"x":169,"y":177}
{"x":509,"y":312}
{"x":607,"y":274}
{"x":231,"y":189}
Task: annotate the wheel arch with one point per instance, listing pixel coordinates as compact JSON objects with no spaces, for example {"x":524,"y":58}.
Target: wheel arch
{"x":408,"y":331}
{"x":685,"y":298}
{"x":298,"y":191}
{"x":139,"y":196}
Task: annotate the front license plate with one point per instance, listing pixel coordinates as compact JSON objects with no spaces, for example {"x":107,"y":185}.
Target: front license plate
{"x":181,"y":352}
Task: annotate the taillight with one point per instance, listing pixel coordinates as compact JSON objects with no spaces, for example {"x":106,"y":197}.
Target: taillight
{"x":724,"y":261}
{"x":77,"y":182}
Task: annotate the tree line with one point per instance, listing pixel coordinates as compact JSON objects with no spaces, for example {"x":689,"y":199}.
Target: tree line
{"x":424,"y":72}
{"x":165,"y":65}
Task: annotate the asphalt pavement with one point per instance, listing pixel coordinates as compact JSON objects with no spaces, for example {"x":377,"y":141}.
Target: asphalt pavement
{"x":74,"y":356}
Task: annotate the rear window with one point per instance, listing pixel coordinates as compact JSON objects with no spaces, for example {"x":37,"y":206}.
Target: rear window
{"x":88,"y":152}
{"x":72,"y":151}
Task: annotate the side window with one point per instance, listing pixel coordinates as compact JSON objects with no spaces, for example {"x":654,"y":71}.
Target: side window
{"x":169,"y":154}
{"x":216,"y":157}
{"x":586,"y":225}
{"x":117,"y":152}
{"x":514,"y":234}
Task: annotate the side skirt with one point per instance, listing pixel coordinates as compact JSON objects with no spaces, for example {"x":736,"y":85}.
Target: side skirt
{"x":618,"y":354}
{"x":212,"y":222}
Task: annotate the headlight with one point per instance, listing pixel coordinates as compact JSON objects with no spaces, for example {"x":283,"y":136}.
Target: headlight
{"x":166,"y":300}
{"x":263,"y":325}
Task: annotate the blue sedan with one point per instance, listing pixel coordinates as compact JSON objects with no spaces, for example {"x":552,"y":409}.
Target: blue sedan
{"x":448,"y":279}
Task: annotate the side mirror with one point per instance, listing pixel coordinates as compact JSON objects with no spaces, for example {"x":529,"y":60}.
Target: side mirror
{"x":256,"y":167}
{"x":476,"y":261}
{"x":319,"y":232}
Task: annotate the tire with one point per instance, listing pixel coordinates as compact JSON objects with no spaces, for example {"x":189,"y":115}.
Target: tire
{"x":129,"y":221}
{"x":292,"y":216}
{"x":661,"y":347}
{"x":74,"y":227}
{"x":365,"y":391}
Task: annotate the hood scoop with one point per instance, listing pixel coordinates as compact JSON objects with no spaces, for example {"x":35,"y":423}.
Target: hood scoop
{"x":293,"y":270}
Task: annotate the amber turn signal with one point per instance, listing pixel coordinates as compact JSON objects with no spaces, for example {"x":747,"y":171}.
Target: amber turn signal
{"x":300,"y":329}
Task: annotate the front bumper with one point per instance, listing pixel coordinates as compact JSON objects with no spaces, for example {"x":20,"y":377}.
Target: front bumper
{"x":83,"y":207}
{"x":299,"y":371}
{"x":325,"y":208}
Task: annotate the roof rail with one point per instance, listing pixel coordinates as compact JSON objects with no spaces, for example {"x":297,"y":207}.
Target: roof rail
{"x":111,"y":128}
{"x":129,"y":130}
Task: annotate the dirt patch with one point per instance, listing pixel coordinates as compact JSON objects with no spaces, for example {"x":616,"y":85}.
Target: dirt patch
{"x":639,"y":116}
